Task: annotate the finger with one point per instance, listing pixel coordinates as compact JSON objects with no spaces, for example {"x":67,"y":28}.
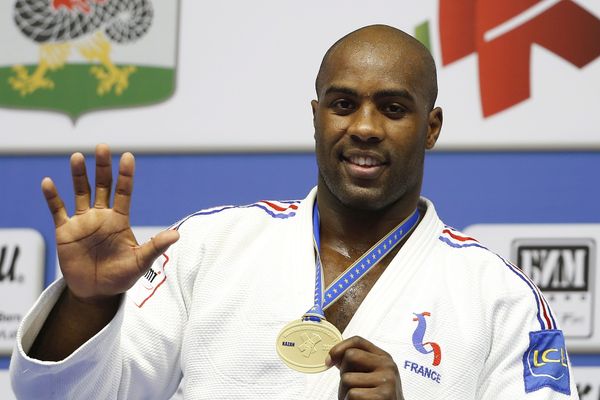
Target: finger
{"x":349,"y":380}
{"x":386,"y":385}
{"x":55,"y":203}
{"x":124,"y":186}
{"x":81,"y":186}
{"x":149,"y":251}
{"x":364,"y":394}
{"x":337,"y":352}
{"x":385,"y":379}
{"x":359,"y":360}
{"x":103,"y":176}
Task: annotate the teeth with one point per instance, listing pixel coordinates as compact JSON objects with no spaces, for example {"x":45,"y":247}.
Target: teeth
{"x":363,"y":161}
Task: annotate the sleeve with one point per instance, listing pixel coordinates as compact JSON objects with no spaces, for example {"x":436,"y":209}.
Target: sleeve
{"x":136,"y":356}
{"x":527,"y":357}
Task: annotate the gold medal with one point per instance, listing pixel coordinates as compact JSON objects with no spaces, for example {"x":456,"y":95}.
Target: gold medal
{"x":304,"y":345}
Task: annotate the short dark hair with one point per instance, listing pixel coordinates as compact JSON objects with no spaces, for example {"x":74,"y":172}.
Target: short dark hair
{"x":423,"y":53}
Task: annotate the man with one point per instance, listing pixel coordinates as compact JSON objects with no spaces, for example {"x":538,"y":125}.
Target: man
{"x":426,"y":312}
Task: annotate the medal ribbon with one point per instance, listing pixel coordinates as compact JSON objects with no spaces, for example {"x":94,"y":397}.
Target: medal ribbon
{"x":355,"y":271}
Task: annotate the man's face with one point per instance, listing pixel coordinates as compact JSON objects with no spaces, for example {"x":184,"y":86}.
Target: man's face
{"x":372,"y":126}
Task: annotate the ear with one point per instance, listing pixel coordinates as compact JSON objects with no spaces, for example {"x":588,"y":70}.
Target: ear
{"x":436,"y":118}
{"x":314,"y":104}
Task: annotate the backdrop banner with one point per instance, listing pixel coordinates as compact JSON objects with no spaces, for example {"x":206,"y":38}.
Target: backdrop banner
{"x":562,"y":260}
{"x":21,"y":279}
{"x":182,"y":76}
{"x":588,"y":382}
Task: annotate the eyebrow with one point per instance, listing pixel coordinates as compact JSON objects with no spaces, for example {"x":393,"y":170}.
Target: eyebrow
{"x":378,"y":95}
{"x":341,"y":89}
{"x":394,"y":93}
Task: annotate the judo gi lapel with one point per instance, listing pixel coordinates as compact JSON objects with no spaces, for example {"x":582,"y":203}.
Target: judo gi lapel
{"x":394,"y":280}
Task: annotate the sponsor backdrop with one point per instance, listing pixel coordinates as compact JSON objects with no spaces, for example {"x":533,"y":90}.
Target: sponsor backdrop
{"x":588,"y":383}
{"x":468,"y":188}
{"x":171,"y":77}
{"x":513,"y":74}
{"x":21,"y":279}
{"x":561,"y":259}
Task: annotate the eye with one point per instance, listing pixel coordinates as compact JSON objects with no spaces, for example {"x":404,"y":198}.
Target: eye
{"x":394,"y":110}
{"x":342,"y":106}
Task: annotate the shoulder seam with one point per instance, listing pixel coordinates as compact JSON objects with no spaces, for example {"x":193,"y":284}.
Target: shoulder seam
{"x":286,"y":209}
{"x":456,"y":240}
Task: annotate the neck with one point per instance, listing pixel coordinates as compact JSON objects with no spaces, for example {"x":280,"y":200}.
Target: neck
{"x":354,"y":229}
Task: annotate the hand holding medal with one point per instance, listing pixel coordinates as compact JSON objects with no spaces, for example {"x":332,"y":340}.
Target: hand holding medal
{"x":304,"y":345}
{"x":366,"y":371}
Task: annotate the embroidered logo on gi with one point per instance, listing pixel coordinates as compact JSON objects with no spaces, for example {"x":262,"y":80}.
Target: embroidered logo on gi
{"x":545,"y":362}
{"x":418,"y":337}
{"x":146,"y":286}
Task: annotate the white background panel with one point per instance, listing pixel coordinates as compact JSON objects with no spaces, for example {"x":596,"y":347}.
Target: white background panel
{"x":5,"y":390}
{"x":588,"y":382}
{"x":21,"y":279}
{"x":245,"y":78}
{"x":564,"y":264}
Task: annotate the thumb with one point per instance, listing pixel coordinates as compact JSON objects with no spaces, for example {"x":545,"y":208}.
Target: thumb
{"x":149,"y":251}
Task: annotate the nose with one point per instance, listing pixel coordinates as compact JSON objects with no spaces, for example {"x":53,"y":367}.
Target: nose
{"x":366,"y":126}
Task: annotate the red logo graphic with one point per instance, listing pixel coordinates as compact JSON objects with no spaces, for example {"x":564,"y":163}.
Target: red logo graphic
{"x":566,"y":29}
{"x":82,"y":5}
{"x":418,"y":339}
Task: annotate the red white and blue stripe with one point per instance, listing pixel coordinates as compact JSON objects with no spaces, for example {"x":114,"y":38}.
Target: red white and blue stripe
{"x":457,"y":240}
{"x":274,"y":208}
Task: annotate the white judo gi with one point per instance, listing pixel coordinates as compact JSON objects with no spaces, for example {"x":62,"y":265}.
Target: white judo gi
{"x":460,"y":322}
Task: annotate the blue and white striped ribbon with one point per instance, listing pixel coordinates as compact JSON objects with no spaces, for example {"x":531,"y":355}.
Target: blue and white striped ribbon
{"x":355,"y":271}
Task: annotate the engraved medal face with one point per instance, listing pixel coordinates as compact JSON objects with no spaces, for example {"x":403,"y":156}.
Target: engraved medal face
{"x":304,"y":345}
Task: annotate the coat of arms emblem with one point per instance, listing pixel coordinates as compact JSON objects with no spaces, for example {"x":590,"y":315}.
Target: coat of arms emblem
{"x":79,"y":55}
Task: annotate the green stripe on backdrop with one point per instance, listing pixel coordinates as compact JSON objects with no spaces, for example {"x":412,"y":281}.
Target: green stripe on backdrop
{"x":422,"y":34}
{"x":75,"y":90}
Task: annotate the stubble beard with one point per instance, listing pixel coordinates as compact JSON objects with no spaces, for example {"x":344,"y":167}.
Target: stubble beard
{"x":360,"y":198}
{"x":371,"y":199}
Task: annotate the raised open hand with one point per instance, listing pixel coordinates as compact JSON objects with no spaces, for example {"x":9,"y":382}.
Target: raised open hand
{"x":98,"y":253}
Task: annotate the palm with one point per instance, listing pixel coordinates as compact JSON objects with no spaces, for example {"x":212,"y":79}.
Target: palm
{"x":98,"y":254}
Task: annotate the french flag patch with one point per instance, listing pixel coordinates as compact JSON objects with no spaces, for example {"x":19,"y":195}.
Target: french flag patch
{"x":277,"y":209}
{"x":458,"y":240}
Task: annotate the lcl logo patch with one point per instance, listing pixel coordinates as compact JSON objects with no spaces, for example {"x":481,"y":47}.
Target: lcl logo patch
{"x":545,"y":362}
{"x":562,"y":269}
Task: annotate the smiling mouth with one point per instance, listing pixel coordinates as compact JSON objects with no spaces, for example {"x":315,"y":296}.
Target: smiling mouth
{"x":363,"y":167}
{"x":363,"y":161}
